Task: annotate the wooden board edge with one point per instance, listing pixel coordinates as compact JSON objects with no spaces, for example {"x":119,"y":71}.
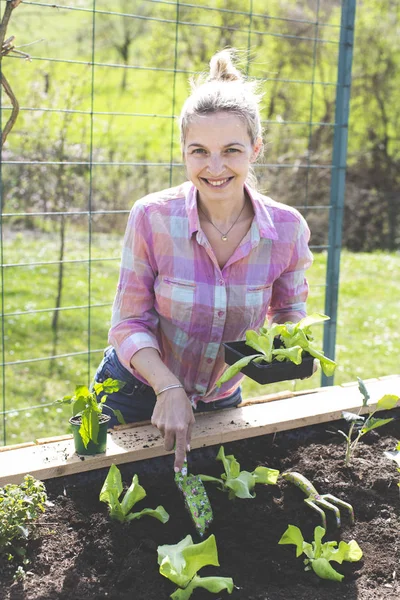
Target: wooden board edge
{"x":56,"y":438}
{"x":16,"y":446}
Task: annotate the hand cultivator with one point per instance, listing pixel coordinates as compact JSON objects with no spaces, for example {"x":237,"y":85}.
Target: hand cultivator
{"x":316,"y":500}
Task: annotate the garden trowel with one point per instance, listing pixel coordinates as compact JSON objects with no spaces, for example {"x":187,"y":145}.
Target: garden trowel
{"x":196,"y":499}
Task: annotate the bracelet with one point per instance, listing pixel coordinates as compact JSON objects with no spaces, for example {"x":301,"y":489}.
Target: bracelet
{"x":169,"y":387}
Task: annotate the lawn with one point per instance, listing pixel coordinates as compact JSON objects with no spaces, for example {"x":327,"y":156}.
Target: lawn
{"x":368,"y":338}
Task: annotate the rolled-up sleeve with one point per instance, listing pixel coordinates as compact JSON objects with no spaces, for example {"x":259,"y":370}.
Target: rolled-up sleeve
{"x":290,"y":290}
{"x":134,"y":320}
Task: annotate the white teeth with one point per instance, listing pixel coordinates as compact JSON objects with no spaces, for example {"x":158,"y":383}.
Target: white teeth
{"x":217,"y":183}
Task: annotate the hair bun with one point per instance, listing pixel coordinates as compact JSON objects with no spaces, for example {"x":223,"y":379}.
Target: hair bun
{"x":222,"y":67}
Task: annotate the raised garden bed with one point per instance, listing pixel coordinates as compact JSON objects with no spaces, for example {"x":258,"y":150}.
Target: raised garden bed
{"x":79,"y":553}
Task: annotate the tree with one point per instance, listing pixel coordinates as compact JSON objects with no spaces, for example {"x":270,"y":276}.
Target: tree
{"x":7,"y":47}
{"x":122,"y":31}
{"x":374,"y":159}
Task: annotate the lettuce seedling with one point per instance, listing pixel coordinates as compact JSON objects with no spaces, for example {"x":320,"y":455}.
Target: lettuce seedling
{"x":319,"y":555}
{"x":240,"y":484}
{"x":180,"y":563}
{"x":296,"y":339}
{"x":394,"y":455}
{"x":89,"y":405}
{"x":360,"y":425}
{"x":111,"y":491}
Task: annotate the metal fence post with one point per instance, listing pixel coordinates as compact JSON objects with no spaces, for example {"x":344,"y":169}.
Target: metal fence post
{"x":338,"y":177}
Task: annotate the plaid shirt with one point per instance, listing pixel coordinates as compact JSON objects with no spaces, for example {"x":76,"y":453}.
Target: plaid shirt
{"x":173,"y":296}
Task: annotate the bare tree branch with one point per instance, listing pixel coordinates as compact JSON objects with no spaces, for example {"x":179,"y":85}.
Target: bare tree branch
{"x":7,"y":47}
{"x":15,"y":110}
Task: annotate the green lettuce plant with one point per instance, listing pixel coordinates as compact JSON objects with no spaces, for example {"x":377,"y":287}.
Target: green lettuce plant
{"x":296,"y":339}
{"x":120,"y":510}
{"x":20,"y":507}
{"x":88,"y":405}
{"x":240,"y":484}
{"x":360,"y":425}
{"x":181,"y":562}
{"x":320,"y":555}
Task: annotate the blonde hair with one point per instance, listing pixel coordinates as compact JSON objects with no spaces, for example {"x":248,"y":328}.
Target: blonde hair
{"x":225,"y":89}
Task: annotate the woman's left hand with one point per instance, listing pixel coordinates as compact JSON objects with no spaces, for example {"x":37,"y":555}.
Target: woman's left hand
{"x":315,"y":368}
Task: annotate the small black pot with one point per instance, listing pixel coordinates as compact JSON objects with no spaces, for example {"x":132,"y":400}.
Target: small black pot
{"x":268,"y":372}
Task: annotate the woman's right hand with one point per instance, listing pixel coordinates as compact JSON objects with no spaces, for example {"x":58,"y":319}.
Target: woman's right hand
{"x":173,"y":417}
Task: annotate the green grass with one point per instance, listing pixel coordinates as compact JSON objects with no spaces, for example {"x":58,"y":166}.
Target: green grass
{"x":368,"y":338}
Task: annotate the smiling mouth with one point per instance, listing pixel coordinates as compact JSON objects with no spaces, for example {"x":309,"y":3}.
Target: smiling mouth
{"x":216,"y":182}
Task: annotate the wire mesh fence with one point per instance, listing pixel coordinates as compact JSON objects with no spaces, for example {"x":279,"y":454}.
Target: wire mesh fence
{"x":97,"y":130}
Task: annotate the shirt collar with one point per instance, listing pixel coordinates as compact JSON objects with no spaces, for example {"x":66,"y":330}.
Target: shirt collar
{"x":262,"y":214}
{"x":191,"y":207}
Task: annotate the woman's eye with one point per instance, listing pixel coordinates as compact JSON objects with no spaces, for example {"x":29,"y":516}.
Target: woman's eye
{"x":232,"y":150}
{"x":198,"y":151}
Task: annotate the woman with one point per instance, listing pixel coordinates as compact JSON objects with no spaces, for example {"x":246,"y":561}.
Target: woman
{"x":201,"y":264}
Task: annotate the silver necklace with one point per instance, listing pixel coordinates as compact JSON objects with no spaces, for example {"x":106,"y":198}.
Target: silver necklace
{"x":224,"y":236}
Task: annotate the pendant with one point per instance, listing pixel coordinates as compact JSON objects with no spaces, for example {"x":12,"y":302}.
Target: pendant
{"x":224,"y":238}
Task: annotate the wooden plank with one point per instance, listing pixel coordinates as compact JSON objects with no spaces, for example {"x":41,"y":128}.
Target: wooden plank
{"x":56,"y":459}
{"x":245,"y":402}
{"x":56,"y":438}
{"x":15,"y":446}
{"x":276,"y":396}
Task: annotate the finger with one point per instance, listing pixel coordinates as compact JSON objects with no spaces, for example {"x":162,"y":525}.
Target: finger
{"x":159,"y":427}
{"x":189,"y":436}
{"x":180,"y":452}
{"x":169,"y":440}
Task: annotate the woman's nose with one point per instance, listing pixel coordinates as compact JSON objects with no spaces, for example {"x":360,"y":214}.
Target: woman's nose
{"x":216,"y":164}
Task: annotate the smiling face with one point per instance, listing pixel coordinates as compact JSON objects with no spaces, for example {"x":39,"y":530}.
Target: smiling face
{"x":218,"y":152}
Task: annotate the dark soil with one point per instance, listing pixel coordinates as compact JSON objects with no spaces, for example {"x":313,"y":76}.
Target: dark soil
{"x":79,"y":553}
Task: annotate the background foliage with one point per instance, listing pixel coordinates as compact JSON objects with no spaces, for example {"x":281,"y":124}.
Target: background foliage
{"x":140,"y":81}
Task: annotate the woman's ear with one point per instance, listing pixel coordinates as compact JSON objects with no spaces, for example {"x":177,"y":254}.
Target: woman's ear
{"x":257,"y":148}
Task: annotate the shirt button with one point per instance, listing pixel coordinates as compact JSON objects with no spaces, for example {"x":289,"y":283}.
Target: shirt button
{"x":222,"y":282}
{"x":221,"y":313}
{"x":209,"y":360}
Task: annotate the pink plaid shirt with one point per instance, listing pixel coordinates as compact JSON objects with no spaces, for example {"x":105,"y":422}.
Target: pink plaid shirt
{"x":173,"y":296}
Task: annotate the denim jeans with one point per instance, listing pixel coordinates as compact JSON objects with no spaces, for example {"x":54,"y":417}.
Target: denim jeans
{"x":136,"y":400}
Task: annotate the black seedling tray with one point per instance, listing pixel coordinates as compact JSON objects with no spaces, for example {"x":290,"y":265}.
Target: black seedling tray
{"x":268,"y":372}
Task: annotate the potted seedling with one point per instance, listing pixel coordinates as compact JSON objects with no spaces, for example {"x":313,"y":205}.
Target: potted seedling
{"x":283,"y":351}
{"x":89,"y":423}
